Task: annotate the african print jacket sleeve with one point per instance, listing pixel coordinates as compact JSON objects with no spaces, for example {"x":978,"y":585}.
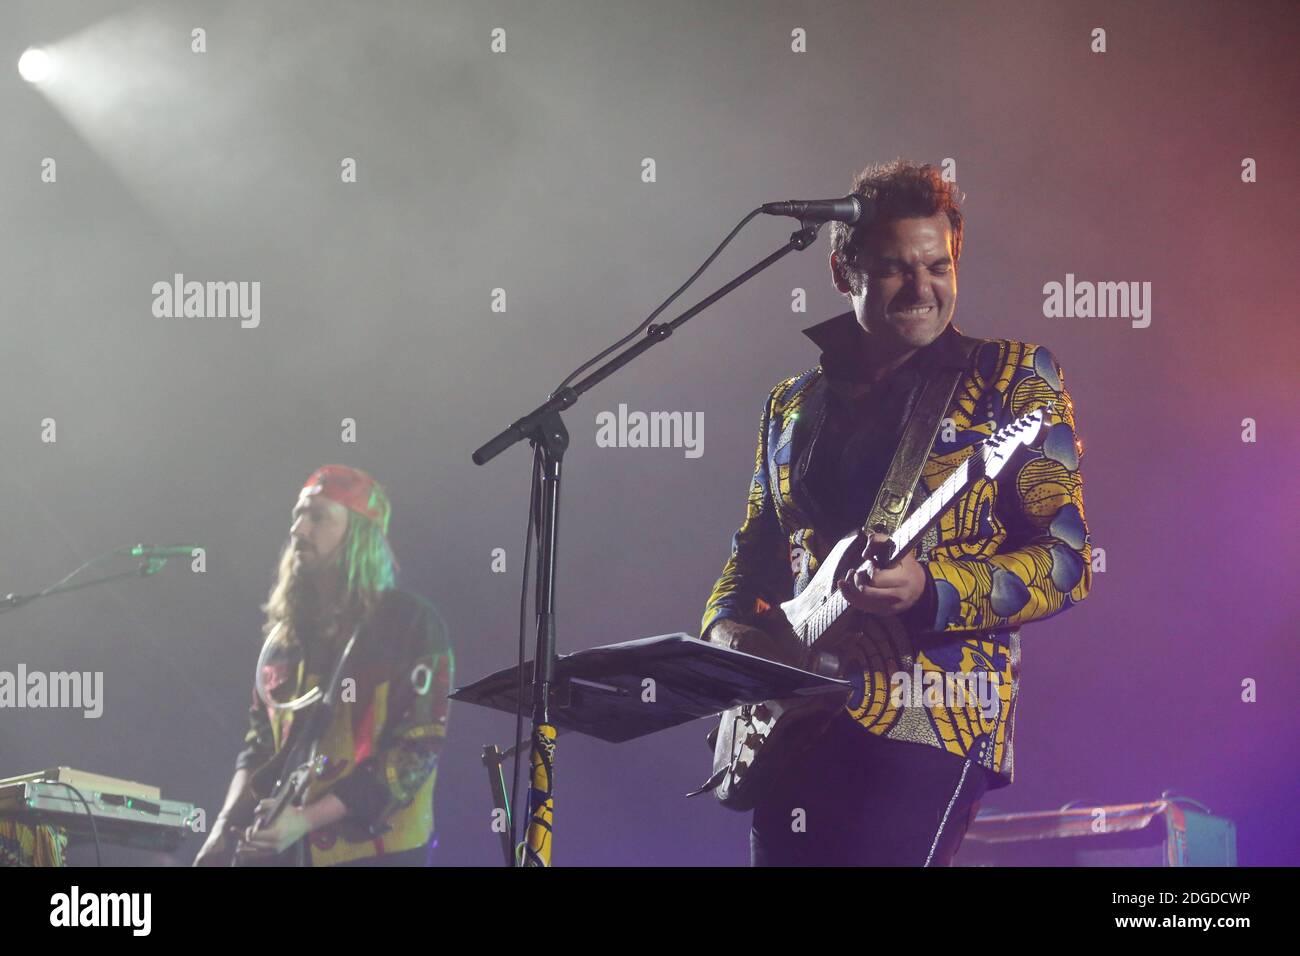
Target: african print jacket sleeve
{"x":756,"y":574}
{"x":1031,"y":557}
{"x":416,"y":708}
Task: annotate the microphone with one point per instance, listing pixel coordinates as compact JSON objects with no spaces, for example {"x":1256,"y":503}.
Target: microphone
{"x":160,"y":551}
{"x":850,"y":209}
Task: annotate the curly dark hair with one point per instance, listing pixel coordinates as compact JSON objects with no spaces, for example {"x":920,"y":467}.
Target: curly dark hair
{"x":901,"y":190}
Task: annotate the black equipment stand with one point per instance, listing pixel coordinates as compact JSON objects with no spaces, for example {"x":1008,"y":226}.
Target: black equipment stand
{"x":545,"y":430}
{"x":624,"y":691}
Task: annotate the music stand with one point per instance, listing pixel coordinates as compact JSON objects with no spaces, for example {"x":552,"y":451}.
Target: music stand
{"x":620,"y":692}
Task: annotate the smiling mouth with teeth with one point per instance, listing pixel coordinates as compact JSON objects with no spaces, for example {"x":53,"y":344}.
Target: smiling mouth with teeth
{"x":915,"y":310}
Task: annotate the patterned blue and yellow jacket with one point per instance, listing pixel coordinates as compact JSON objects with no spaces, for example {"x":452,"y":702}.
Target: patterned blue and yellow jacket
{"x":1006,"y":552}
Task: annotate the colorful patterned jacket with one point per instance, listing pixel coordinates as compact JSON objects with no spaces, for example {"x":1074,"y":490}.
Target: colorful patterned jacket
{"x":1005,"y":553}
{"x":385,"y":736}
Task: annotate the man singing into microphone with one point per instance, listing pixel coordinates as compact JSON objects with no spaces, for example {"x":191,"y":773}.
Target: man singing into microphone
{"x":895,"y":778}
{"x":372,"y":802}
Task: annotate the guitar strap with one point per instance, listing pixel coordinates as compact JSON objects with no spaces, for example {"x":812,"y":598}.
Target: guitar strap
{"x":304,"y":739}
{"x":919,"y":433}
{"x":305,"y":747}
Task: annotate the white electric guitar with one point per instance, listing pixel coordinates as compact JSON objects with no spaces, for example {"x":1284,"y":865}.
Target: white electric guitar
{"x":755,"y":741}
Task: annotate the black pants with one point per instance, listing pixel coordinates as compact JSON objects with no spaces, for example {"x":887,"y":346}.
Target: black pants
{"x":856,"y":799}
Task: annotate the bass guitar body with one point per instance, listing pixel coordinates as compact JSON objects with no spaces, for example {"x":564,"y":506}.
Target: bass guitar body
{"x":275,"y":781}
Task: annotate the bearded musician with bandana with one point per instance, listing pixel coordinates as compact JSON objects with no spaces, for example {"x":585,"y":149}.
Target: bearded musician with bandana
{"x":370,"y":803}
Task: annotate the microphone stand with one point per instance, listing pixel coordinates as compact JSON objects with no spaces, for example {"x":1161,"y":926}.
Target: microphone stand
{"x":545,"y":430}
{"x":149,"y":566}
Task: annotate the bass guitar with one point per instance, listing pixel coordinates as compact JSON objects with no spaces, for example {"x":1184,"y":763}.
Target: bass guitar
{"x":282,"y":790}
{"x":283,"y":780}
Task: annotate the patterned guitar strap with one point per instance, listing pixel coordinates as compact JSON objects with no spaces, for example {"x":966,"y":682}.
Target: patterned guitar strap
{"x":919,"y":433}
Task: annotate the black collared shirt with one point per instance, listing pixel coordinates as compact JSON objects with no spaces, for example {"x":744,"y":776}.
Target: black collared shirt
{"x":855,"y":443}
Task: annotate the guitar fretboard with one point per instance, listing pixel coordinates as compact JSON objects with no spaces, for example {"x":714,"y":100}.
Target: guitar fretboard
{"x":908,"y":532}
{"x":920,"y":519}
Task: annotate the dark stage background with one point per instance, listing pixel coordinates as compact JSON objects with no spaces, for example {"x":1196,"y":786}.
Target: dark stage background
{"x":523,"y":170}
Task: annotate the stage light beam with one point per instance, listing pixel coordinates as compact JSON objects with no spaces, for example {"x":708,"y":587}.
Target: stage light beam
{"x":37,"y":66}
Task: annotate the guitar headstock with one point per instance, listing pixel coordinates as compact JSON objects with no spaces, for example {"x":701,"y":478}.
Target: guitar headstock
{"x":1027,"y":430}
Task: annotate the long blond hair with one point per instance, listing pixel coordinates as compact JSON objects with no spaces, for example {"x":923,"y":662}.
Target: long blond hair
{"x":365,"y":562}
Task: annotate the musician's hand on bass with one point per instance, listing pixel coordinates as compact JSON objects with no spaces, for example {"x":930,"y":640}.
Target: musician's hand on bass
{"x":749,"y":640}
{"x":884,"y":590}
{"x":218,"y":848}
{"x":289,"y":827}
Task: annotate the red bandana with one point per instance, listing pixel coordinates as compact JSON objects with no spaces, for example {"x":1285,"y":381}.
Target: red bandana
{"x":350,"y":487}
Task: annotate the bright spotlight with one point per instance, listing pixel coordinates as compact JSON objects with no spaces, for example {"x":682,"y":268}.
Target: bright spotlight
{"x":36,"y":66}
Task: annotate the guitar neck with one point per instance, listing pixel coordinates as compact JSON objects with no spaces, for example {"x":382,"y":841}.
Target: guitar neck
{"x":907,"y":534}
{"x":989,"y":456}
{"x":920,"y":520}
